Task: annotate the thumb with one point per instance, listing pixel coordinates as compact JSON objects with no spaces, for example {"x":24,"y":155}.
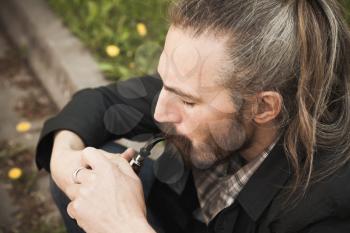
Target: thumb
{"x":128,"y":154}
{"x":122,"y":160}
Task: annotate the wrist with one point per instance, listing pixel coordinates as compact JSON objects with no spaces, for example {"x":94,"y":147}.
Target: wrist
{"x":67,"y":140}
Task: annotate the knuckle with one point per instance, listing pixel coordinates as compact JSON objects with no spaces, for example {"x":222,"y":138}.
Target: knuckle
{"x":89,"y":151}
{"x":71,"y":210}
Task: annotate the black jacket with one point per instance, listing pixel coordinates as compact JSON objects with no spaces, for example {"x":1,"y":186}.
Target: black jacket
{"x":126,"y":110}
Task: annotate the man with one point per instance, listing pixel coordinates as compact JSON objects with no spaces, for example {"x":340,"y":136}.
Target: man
{"x":254,"y":95}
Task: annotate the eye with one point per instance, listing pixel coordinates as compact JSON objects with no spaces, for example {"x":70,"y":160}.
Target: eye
{"x":188,"y":104}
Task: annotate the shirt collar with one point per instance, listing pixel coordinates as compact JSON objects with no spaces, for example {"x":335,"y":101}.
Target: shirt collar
{"x":219,"y":186}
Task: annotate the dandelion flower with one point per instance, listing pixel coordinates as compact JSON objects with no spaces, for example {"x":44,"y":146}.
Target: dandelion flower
{"x":141,"y":29}
{"x":23,"y":126}
{"x":15,"y":173}
{"x":131,"y":65}
{"x":112,"y":50}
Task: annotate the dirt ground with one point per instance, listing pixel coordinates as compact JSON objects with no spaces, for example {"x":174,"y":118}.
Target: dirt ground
{"x":25,"y":203}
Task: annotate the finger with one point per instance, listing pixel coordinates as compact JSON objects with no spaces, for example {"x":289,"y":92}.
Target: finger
{"x":124,"y":166}
{"x":128,"y":154}
{"x":120,"y":162}
{"x":94,"y":159}
{"x":86,"y":176}
{"x":110,"y":156}
{"x":97,"y":161}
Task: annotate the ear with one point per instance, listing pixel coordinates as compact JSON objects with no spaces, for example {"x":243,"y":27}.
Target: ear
{"x":269,"y":106}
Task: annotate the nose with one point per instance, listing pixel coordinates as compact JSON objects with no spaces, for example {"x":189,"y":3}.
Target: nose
{"x":166,"y":110}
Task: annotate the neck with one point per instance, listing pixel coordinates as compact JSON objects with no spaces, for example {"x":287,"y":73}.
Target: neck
{"x":261,"y":139}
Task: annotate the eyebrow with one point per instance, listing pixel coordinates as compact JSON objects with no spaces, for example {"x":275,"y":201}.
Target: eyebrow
{"x":182,"y":93}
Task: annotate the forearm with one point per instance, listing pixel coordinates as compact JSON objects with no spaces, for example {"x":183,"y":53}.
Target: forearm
{"x":92,"y":114}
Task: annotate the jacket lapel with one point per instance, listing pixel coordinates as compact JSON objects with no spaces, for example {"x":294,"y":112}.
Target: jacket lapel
{"x":266,"y":182}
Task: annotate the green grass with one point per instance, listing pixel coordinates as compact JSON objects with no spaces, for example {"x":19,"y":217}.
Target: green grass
{"x":346,"y":4}
{"x":99,"y":23}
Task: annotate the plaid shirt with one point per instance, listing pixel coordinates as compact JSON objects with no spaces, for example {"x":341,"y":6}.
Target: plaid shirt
{"x":218,"y":187}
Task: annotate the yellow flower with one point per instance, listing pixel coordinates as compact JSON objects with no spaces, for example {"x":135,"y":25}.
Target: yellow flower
{"x":131,"y":65}
{"x":15,"y":173}
{"x":141,"y":29}
{"x":23,"y":126}
{"x":112,"y":50}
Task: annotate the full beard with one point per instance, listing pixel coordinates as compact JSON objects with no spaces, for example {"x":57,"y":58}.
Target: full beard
{"x":216,"y":147}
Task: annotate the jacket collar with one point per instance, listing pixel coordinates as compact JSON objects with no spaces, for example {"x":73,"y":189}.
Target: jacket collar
{"x":265,"y":183}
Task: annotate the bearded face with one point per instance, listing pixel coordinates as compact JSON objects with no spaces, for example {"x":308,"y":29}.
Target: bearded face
{"x":219,"y":141}
{"x":194,"y":109}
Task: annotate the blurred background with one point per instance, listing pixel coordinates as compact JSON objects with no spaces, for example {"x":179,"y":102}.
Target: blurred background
{"x":48,"y":50}
{"x":125,"y":37}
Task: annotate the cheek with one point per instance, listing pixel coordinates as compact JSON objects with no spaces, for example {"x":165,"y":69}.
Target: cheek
{"x":193,"y":122}
{"x":198,"y":122}
{"x":190,"y":124}
{"x":219,"y":126}
{"x":222,"y":102}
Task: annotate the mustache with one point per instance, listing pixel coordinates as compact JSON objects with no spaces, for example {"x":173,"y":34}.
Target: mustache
{"x":170,"y":132}
{"x":181,"y":142}
{"x":168,"y":129}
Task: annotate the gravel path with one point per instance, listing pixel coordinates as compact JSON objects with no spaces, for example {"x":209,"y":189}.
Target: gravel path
{"x":25,"y":203}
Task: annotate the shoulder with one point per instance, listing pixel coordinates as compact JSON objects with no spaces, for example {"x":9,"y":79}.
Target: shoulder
{"x":139,"y":85}
{"x":335,"y":187}
{"x":324,"y":202}
{"x":332,"y":191}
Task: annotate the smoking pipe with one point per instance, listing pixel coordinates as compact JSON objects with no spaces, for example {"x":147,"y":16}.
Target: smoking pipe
{"x":137,"y":162}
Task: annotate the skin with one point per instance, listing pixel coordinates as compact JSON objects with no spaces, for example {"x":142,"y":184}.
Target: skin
{"x":207,"y":124}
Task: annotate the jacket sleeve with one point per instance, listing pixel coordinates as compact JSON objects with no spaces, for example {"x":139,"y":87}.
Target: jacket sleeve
{"x":123,"y":109}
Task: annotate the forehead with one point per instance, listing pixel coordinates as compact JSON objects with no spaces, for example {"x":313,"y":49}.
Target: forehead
{"x":192,"y":62}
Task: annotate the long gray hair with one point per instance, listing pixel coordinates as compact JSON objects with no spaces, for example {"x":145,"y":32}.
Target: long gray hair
{"x":299,"y":48}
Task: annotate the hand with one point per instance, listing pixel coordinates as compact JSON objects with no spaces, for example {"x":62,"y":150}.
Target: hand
{"x":109,"y":197}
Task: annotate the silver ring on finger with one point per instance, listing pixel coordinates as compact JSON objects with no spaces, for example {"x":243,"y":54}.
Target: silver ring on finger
{"x":75,"y":175}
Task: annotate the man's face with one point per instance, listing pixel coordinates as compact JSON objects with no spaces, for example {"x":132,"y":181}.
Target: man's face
{"x":197,"y":113}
